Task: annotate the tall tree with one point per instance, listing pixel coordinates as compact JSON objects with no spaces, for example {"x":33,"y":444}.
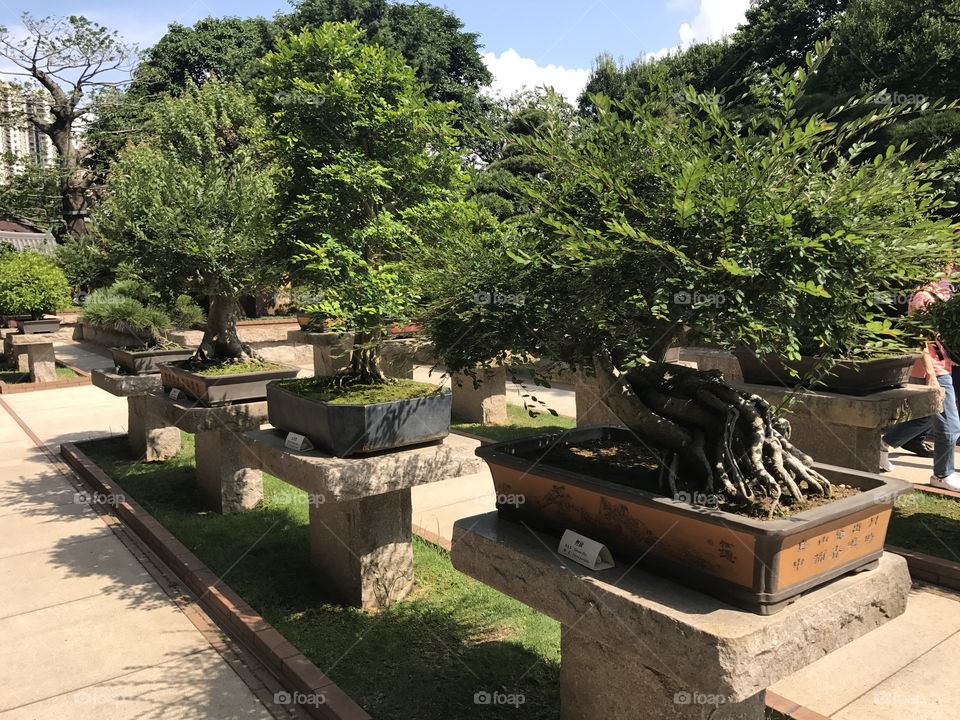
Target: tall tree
{"x":72,"y":59}
{"x":370,"y":158}
{"x":193,"y":205}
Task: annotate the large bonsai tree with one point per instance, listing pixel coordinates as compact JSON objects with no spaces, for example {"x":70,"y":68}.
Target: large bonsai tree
{"x":192,"y":205}
{"x":659,"y":223}
{"x":368,"y":155}
{"x":31,"y":284}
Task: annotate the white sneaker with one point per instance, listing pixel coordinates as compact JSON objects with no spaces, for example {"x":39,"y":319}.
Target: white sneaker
{"x":885,"y":464}
{"x":951,"y":482}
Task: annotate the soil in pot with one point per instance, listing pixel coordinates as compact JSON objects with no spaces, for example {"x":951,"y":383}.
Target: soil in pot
{"x":326,"y":390}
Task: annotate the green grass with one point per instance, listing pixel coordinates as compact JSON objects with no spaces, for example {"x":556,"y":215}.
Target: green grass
{"x":11,"y":375}
{"x":927,"y":523}
{"x":520,"y":425}
{"x":237,"y":368}
{"x":322,"y":390}
{"x":421,"y":659}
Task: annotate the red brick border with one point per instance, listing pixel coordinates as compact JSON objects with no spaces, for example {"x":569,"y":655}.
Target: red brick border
{"x":929,"y":568}
{"x":14,"y":388}
{"x":228,"y":608}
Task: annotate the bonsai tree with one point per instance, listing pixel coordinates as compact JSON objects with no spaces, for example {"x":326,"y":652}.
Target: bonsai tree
{"x":192,"y":206}
{"x":131,"y":306}
{"x":368,"y":154}
{"x":659,"y":223}
{"x":31,"y":284}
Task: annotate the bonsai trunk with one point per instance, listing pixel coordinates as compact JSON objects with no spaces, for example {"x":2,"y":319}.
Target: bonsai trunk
{"x":220,"y":339}
{"x":709,"y":436}
{"x":365,"y":360}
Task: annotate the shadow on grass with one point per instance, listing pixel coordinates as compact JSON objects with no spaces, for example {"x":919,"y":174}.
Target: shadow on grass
{"x":927,"y":523}
{"x":421,"y":659}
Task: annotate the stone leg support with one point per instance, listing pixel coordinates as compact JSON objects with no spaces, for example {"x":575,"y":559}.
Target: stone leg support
{"x":150,"y":437}
{"x":396,"y":359}
{"x":362,"y":548}
{"x":332,"y":357}
{"x":844,"y":445}
{"x":16,"y":354}
{"x":486,"y":403}
{"x":600,"y":681}
{"x":591,"y":408}
{"x":42,"y":362}
{"x":229,"y":477}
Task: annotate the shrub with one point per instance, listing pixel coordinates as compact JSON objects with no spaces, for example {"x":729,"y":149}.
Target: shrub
{"x":185,"y":313}
{"x":31,"y":283}
{"x":111,"y":310}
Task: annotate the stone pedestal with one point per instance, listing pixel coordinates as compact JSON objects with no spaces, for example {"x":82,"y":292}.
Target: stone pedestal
{"x":592,"y":409}
{"x":331,"y":351}
{"x":484,"y":403}
{"x":711,"y":359}
{"x":636,"y":646}
{"x":229,"y":478}
{"x":41,"y":362}
{"x":125,"y":385}
{"x":846,"y":430}
{"x":360,"y":509}
{"x":16,"y":349}
{"x":396,"y":358}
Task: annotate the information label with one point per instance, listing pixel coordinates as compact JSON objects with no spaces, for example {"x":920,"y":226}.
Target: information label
{"x":298,"y":442}
{"x":175,"y":394}
{"x":585,"y":551}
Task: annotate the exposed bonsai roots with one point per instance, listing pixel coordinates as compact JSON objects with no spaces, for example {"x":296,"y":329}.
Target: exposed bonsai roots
{"x":710,"y":435}
{"x":220,"y":339}
{"x":364,"y":363}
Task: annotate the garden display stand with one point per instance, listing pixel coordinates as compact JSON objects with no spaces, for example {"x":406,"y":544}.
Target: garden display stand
{"x":486,"y":403}
{"x":331,"y":350}
{"x":360,"y":508}
{"x":33,"y":354}
{"x":846,"y":430}
{"x":636,"y":646}
{"x":125,"y":385}
{"x":229,"y":480}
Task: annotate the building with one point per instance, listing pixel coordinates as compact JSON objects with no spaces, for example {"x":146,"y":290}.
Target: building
{"x":22,"y":235}
{"x":20,"y":141}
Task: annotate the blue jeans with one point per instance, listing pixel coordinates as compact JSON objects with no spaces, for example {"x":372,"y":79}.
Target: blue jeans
{"x":945,"y":426}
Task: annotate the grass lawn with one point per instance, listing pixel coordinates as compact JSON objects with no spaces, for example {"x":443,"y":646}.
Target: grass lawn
{"x":11,"y":375}
{"x":422,"y":659}
{"x":928,"y":524}
{"x":520,"y":425}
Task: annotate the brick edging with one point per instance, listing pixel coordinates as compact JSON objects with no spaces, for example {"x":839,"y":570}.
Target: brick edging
{"x":225,"y":605}
{"x":14,"y":388}
{"x":929,"y":568}
{"x":791,"y":709}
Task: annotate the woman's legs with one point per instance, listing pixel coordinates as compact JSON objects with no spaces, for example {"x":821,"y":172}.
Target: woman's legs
{"x":946,"y":430}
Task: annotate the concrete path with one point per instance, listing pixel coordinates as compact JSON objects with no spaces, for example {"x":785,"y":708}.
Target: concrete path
{"x":85,"y":630}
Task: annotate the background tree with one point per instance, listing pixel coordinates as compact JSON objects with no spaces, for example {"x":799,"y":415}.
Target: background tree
{"x":369,"y":156}
{"x":33,"y":194}
{"x":192,"y":205}
{"x":71,"y":59}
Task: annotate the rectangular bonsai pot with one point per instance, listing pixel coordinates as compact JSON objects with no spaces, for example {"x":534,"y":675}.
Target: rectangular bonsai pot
{"x":213,"y":390}
{"x":846,"y":377}
{"x":345,"y":430}
{"x":47,"y":325}
{"x":758,"y":565}
{"x":146,"y":361}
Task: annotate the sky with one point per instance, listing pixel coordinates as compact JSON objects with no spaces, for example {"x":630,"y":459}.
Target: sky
{"x":526,"y":43}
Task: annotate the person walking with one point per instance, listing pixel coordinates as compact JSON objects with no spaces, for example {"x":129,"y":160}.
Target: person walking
{"x":936,"y":370}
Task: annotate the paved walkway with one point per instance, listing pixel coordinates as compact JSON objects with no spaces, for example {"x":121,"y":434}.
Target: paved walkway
{"x":85,"y":630}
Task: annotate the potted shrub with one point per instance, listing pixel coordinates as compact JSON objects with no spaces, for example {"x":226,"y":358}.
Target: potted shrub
{"x":848,"y":377}
{"x":31,"y":286}
{"x":192,"y":205}
{"x":658,"y":223}
{"x":356,"y":235}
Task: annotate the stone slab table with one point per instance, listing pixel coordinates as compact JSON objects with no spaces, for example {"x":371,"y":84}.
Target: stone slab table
{"x":125,"y":385}
{"x":41,"y":362}
{"x":16,"y":348}
{"x":331,"y":351}
{"x":845,"y":430}
{"x":482,"y":402}
{"x":635,"y":646}
{"x":360,"y":508}
{"x":229,"y":478}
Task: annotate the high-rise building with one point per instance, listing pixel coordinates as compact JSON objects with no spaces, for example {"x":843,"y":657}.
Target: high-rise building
{"x":20,"y":141}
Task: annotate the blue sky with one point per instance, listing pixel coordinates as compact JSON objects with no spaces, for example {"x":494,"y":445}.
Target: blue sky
{"x":528,"y":42}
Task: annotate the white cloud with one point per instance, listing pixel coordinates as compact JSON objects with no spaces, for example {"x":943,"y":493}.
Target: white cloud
{"x":512,"y":73}
{"x":714,"y":20}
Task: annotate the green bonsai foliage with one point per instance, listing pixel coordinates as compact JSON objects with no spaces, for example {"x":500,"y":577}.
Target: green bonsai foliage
{"x":944,"y":318}
{"x":660,"y":223}
{"x":128,"y":306}
{"x":367,"y":154}
{"x":31,"y":284}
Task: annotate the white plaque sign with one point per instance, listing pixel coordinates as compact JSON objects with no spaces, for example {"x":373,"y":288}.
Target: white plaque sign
{"x":175,"y":394}
{"x":297,"y":442}
{"x":585,"y":551}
